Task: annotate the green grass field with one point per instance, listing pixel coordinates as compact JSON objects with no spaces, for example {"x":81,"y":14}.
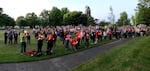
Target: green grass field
{"x":11,"y":53}
{"x":132,"y":56}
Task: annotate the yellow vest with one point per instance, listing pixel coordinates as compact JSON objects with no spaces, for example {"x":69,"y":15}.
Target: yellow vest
{"x":22,"y":37}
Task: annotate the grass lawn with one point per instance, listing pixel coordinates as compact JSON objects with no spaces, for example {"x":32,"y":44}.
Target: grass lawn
{"x":132,"y":56}
{"x":11,"y":53}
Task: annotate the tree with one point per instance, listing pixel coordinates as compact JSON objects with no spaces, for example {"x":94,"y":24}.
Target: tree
{"x":20,"y":21}
{"x":143,"y":11}
{"x":90,"y":20}
{"x":55,"y":17}
{"x":75,"y":18}
{"x":1,"y":10}
{"x":44,"y":18}
{"x":64,"y":11}
{"x":104,"y":23}
{"x":119,"y":22}
{"x":144,"y":4}
{"x":6,"y":20}
{"x":31,"y":19}
{"x":123,"y":19}
{"x":83,"y":19}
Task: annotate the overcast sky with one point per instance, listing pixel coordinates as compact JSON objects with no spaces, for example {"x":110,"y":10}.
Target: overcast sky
{"x":99,"y":8}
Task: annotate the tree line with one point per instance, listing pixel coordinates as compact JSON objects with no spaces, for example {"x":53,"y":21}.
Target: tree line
{"x":54,"y":17}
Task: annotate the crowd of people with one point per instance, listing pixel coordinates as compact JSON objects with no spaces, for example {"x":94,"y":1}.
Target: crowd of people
{"x":72,"y":36}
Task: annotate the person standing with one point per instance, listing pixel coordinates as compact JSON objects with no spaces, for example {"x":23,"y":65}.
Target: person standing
{"x":104,"y":34}
{"x":55,"y":37}
{"x":110,"y":33}
{"x":93,"y":36}
{"x":50,"y":40}
{"x":23,"y":42}
{"x":98,"y":36}
{"x":40,"y":44}
{"x":74,"y":43}
{"x":62,"y":35}
{"x":67,"y":39}
{"x":15,"y":37}
{"x":28,"y":37}
{"x":78,"y":35}
{"x":10,"y":36}
{"x":87,"y":39}
{"x":5,"y":37}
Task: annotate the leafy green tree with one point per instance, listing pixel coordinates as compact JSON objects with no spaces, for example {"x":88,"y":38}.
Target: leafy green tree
{"x":123,"y":19}
{"x":143,"y":12}
{"x":20,"y":21}
{"x":83,"y":19}
{"x":31,"y":19}
{"x":6,"y":20}
{"x":63,"y":12}
{"x":55,"y":17}
{"x":75,"y":18}
{"x":90,"y":20}
{"x":104,"y":23}
{"x":44,"y":18}
{"x":1,"y":20}
{"x":10,"y":21}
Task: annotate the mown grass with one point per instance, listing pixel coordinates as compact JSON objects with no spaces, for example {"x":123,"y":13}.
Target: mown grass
{"x":132,"y":56}
{"x":11,"y":53}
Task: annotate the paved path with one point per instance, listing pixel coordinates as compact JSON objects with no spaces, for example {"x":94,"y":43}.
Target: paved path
{"x":63,"y":63}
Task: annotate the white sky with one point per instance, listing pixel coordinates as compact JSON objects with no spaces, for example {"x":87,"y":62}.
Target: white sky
{"x":16,"y":8}
{"x":100,"y":8}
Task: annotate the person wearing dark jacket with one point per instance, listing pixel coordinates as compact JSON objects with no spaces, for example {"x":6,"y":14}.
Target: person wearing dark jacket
{"x":39,"y":44}
{"x":15,"y":37}
{"x":10,"y":36}
{"x":5,"y":37}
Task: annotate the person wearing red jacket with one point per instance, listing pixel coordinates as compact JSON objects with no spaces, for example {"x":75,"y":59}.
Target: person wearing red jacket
{"x":98,"y":35}
{"x":110,"y":33}
{"x":86,"y":39}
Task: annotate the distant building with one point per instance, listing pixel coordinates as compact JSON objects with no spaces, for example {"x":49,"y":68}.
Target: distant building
{"x":88,"y":11}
